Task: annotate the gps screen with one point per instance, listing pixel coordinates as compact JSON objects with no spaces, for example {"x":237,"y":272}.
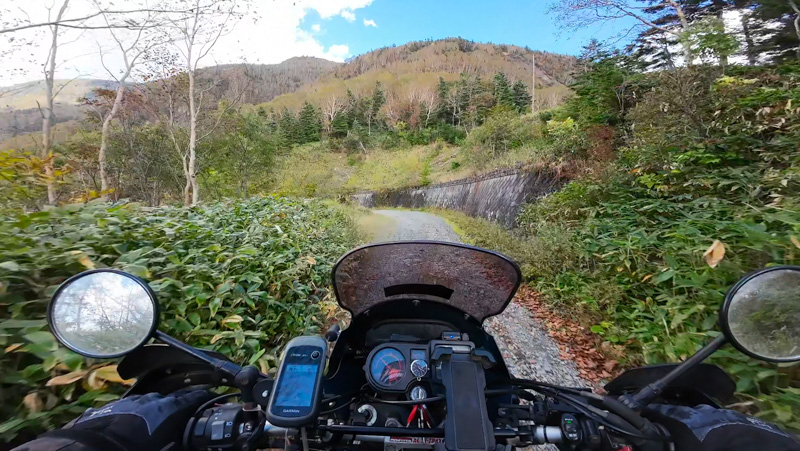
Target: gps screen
{"x":296,"y":386}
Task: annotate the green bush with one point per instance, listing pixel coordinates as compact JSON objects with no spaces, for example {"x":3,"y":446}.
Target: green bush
{"x":238,"y":278}
{"x":503,"y":131}
{"x":566,"y":137}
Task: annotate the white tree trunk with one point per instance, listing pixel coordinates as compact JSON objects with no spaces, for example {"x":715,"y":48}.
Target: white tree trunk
{"x":101,"y":154}
{"x":47,"y":113}
{"x":192,"y":170}
{"x":687,"y":51}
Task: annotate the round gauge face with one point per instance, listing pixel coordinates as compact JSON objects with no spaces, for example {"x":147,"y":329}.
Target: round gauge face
{"x":419,"y":368}
{"x":388,"y":366}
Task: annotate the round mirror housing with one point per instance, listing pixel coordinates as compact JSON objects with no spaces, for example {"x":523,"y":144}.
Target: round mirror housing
{"x":103,"y":313}
{"x":761,"y":314}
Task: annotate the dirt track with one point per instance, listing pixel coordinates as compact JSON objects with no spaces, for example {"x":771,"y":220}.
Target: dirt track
{"x":527,"y":349}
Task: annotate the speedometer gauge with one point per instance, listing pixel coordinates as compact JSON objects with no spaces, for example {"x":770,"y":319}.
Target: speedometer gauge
{"x":388,"y":366}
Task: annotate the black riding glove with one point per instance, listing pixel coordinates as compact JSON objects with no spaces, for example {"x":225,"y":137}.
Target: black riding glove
{"x":705,"y":428}
{"x":143,"y":422}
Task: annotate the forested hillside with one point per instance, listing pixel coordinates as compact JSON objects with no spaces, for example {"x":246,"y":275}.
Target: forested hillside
{"x":412,"y":71}
{"x":250,"y":83}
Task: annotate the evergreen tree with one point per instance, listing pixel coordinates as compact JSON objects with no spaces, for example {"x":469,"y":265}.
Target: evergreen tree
{"x":309,"y":124}
{"x":339,"y":126}
{"x":374,"y":105}
{"x":522,"y":100}
{"x":287,"y":127}
{"x":780,"y":35}
{"x":442,"y":92}
{"x":502,"y":91}
{"x":355,"y":109}
{"x":482,"y":100}
{"x":464,"y":87}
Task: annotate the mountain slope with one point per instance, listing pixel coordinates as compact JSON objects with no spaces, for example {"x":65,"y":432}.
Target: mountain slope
{"x":263,"y":82}
{"x":29,"y":95}
{"x":419,"y":64}
{"x":256,"y":83}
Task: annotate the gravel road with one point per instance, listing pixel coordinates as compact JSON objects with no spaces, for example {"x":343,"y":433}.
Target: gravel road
{"x":527,"y":349}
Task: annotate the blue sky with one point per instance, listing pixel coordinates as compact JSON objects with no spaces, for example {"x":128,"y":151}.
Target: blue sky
{"x":499,"y":21}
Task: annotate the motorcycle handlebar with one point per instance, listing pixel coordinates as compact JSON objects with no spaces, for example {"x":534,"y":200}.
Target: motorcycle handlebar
{"x":540,"y":434}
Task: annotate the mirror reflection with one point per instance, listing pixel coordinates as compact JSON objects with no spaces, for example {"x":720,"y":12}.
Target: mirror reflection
{"x":103,"y":314}
{"x":764,"y":315}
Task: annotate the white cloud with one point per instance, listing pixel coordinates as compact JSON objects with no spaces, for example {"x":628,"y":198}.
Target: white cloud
{"x":348,"y":15}
{"x":329,"y":8}
{"x":370,"y":23}
{"x":337,"y":52}
{"x":275,"y":37}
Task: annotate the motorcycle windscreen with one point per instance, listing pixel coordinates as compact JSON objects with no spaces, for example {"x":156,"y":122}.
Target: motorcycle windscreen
{"x":479,"y":282}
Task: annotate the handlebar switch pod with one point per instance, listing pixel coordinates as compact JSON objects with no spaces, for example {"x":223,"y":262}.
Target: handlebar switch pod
{"x":570,"y":428}
{"x":218,"y":428}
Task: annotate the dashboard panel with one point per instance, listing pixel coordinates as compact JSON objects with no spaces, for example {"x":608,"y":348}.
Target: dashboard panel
{"x":389,"y":366}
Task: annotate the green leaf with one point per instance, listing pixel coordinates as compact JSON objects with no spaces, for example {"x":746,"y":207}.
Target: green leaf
{"x":137,"y":270}
{"x":663,"y":277}
{"x":10,"y":425}
{"x":22,"y":323}
{"x":224,"y":288}
{"x":256,"y":356}
{"x":40,"y":337}
{"x":744,"y":384}
{"x":213,"y":306}
{"x":10,"y":266}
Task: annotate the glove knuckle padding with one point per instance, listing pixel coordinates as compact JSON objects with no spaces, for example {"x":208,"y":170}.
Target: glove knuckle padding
{"x":150,"y":421}
{"x":710,"y":429}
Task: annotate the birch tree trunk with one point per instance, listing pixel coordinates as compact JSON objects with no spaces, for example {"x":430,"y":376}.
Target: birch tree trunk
{"x":47,"y":112}
{"x":101,"y":154}
{"x":191,"y":169}
{"x":687,"y":51}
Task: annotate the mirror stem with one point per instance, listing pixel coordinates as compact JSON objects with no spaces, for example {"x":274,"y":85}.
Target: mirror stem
{"x":229,"y":369}
{"x":651,"y":391}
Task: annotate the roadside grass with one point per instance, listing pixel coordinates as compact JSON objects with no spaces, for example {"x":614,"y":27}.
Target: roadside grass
{"x":313,"y":170}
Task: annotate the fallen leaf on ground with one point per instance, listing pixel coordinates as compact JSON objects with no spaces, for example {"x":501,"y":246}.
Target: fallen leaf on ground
{"x":713,"y":255}
{"x":595,"y":359}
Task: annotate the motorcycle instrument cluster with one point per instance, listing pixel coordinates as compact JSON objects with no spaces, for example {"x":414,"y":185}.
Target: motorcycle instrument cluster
{"x":389,"y":368}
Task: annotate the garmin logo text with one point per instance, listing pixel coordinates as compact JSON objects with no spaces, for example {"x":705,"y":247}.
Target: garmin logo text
{"x":290,"y":411}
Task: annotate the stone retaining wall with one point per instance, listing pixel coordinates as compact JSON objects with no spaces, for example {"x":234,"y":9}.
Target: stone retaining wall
{"x":497,"y":196}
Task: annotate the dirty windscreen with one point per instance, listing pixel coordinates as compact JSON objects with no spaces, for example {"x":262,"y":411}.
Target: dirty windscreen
{"x":473,"y":280}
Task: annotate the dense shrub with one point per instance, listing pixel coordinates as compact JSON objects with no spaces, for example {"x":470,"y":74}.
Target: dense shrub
{"x":566,"y":137}
{"x":239,"y":278}
{"x":717,"y":161}
{"x":21,"y":180}
{"x":503,"y":130}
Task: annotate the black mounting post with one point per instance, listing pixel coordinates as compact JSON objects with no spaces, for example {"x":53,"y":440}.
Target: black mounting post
{"x":648,"y":393}
{"x":230,"y":369}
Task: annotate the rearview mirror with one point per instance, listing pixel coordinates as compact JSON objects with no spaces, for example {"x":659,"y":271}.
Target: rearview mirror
{"x":103,"y":313}
{"x":761,"y":314}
